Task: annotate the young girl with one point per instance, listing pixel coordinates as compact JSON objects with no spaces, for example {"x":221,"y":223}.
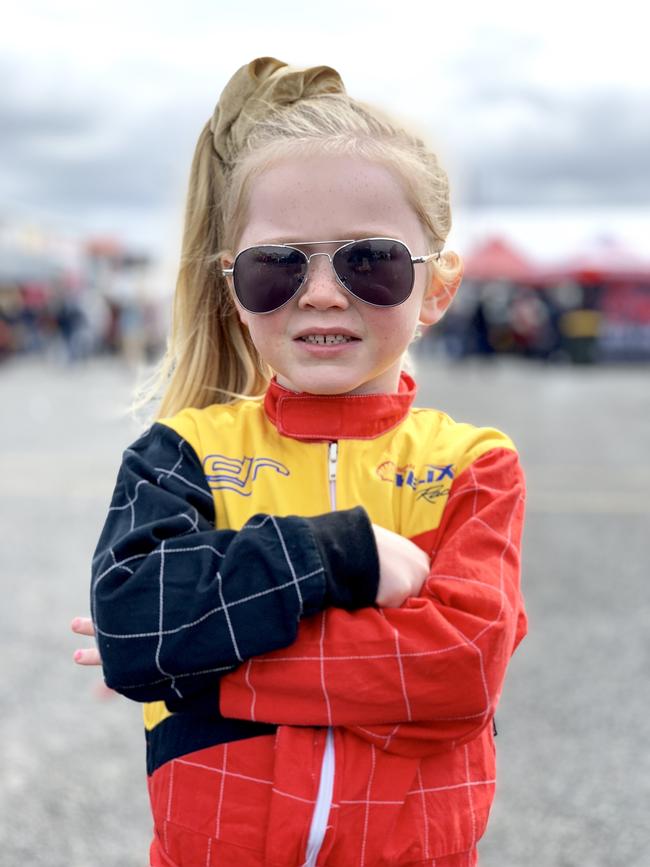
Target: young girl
{"x":312,"y":585}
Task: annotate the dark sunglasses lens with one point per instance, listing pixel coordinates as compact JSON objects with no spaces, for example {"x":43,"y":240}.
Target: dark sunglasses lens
{"x":266,"y":277}
{"x":378,"y":271}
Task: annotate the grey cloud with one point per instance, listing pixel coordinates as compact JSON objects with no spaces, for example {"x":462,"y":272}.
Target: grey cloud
{"x":28,"y":112}
{"x":600,"y":158}
{"x":18,"y":122}
{"x":56,"y":157}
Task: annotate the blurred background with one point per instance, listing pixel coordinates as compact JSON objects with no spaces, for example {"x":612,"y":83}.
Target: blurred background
{"x":540,"y":116}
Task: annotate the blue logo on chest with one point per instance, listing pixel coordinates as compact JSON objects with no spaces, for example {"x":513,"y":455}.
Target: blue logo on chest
{"x":237,"y":474}
{"x":409,"y":476}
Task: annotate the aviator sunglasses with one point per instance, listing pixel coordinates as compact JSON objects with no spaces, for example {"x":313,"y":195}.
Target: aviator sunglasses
{"x":377,"y":271}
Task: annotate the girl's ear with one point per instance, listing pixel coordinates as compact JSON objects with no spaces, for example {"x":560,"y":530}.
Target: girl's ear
{"x":437,"y":299}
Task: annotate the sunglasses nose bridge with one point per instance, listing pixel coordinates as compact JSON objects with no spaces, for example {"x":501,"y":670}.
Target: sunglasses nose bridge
{"x":308,"y":285}
{"x":313,"y":256}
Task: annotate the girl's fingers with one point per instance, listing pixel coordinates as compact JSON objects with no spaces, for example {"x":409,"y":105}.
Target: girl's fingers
{"x":87,"y":656}
{"x":82,"y":626}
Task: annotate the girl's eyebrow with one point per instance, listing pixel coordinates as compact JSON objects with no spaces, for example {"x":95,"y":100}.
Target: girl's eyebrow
{"x":293,"y":240}
{"x":350,"y":236}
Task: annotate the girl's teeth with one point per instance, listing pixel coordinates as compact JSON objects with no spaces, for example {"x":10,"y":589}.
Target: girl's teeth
{"x":326,"y":338}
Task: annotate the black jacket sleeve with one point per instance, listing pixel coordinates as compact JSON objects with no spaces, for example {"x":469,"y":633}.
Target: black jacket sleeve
{"x":176,"y":603}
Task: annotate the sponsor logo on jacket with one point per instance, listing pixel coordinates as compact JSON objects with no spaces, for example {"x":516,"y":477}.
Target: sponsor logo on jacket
{"x":238,"y":474}
{"x":430,"y":481}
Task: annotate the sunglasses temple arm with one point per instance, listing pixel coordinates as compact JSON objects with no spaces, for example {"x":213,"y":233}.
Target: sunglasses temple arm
{"x":417,"y":260}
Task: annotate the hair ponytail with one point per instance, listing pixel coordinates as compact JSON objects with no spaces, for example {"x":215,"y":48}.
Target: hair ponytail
{"x":210,"y":357}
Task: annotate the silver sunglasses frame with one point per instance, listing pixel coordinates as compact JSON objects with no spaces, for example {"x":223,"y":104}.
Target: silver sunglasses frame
{"x":295,"y":245}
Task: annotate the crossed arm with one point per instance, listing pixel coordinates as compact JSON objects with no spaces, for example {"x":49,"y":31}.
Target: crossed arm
{"x":170,"y":610}
{"x":409,"y":679}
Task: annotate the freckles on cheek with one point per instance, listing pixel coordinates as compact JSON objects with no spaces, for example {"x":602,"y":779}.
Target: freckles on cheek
{"x":390,"y":329}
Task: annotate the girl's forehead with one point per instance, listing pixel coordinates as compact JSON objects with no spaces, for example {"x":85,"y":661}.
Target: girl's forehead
{"x":327,"y":197}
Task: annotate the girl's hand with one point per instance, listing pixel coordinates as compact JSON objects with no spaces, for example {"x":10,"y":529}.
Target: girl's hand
{"x":402,"y":568}
{"x":87,"y":655}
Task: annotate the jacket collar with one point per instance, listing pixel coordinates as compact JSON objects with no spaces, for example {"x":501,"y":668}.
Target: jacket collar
{"x":305,"y":416}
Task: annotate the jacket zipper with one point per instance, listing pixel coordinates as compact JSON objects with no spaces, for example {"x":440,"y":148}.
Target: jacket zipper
{"x":326,"y":784}
{"x":332,"y":458}
{"x":323,"y":802}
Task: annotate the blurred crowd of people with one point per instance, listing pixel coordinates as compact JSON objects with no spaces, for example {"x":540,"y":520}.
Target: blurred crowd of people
{"x":594,"y":306}
{"x":70,"y":301}
{"x":111,"y":308}
{"x":39,"y":318}
{"x":562,"y":323}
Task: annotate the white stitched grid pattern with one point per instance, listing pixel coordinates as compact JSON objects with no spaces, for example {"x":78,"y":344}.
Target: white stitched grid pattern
{"x":145,"y":572}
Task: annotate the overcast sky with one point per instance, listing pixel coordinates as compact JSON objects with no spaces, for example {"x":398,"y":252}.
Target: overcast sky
{"x":531,"y":106}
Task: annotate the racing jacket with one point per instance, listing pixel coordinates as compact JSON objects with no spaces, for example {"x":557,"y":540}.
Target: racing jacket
{"x":289,"y":721}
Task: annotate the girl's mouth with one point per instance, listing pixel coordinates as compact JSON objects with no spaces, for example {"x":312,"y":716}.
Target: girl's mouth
{"x":327,"y":339}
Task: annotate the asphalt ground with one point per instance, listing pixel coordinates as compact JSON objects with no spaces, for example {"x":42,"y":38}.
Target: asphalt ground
{"x":573,"y":756}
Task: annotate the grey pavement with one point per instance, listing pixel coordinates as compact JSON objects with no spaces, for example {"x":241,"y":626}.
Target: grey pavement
{"x":573,"y":756}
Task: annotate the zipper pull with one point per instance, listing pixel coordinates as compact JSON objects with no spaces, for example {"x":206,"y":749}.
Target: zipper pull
{"x":333,"y":456}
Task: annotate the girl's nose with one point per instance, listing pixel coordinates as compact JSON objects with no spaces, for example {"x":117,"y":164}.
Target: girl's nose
{"x":321,"y":289}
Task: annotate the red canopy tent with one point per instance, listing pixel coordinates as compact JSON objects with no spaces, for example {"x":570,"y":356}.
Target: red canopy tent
{"x":604,"y":259}
{"x":497,"y":259}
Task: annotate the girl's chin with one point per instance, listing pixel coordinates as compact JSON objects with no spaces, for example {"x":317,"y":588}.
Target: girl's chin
{"x":318,"y":385}
{"x":338,"y":381}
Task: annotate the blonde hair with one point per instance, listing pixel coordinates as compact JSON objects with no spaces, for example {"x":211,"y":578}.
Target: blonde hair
{"x":210,"y":357}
